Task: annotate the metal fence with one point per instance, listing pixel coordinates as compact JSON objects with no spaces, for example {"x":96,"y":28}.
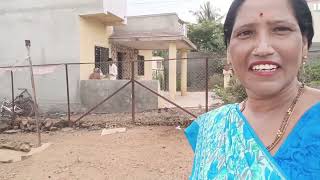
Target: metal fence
{"x":64,"y":91}
{"x":139,"y":93}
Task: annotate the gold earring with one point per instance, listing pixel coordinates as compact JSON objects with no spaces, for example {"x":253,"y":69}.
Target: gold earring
{"x":302,"y":73}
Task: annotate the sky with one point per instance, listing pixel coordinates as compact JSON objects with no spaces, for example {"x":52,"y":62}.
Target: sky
{"x":181,"y":7}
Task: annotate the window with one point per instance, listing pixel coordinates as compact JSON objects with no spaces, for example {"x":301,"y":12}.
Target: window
{"x":140,"y":65}
{"x":101,"y":58}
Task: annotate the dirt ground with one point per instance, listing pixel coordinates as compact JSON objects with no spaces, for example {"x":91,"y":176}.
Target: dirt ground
{"x":142,"y":153}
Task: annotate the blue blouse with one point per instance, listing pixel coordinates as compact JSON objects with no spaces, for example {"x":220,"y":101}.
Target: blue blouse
{"x":299,"y":155}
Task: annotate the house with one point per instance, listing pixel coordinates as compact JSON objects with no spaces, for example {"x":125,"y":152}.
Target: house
{"x":143,"y":34}
{"x":314,"y":6}
{"x":61,"y":31}
{"x":83,"y":31}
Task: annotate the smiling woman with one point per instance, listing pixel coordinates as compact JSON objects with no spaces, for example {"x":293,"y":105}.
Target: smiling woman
{"x":275,"y":132}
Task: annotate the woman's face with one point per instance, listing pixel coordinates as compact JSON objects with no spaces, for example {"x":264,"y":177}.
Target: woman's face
{"x":266,"y":46}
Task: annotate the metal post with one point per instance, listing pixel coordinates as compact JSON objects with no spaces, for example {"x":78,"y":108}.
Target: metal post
{"x":28,"y":44}
{"x":133,"y":103}
{"x":207,"y":84}
{"x":12,"y":95}
{"x":68,"y":97}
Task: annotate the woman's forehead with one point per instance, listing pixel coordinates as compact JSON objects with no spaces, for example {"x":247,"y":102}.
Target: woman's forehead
{"x":253,"y":11}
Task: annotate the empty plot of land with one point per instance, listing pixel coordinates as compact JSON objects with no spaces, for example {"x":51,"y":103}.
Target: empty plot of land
{"x":149,"y":152}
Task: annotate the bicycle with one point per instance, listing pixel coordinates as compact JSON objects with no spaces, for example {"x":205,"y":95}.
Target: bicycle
{"x":23,"y":105}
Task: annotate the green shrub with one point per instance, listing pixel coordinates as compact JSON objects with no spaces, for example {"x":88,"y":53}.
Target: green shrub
{"x":160,"y":78}
{"x":312,"y":74}
{"x":314,"y":84}
{"x":235,"y":93}
{"x":215,"y":80}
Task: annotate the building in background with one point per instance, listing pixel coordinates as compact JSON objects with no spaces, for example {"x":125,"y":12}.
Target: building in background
{"x":144,"y":34}
{"x":61,"y":31}
{"x":314,"y":6}
{"x":85,"y":31}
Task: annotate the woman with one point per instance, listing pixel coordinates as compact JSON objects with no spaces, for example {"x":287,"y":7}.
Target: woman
{"x":275,"y":132}
{"x":96,"y":74}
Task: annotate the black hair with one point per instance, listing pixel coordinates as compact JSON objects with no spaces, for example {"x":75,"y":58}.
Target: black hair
{"x":301,"y":11}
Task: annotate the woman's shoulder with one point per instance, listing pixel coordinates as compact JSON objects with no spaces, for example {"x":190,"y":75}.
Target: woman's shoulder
{"x":311,"y":99}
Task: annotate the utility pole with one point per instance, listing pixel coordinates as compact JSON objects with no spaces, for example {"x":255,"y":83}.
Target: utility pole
{"x":28,"y":45}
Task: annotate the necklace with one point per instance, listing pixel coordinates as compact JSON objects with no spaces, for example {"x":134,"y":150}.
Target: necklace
{"x":285,"y":121}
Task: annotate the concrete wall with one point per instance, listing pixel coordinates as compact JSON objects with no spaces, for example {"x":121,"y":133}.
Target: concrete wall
{"x":54,"y":33}
{"x":94,"y":91}
{"x":314,"y":6}
{"x":168,"y":24}
{"x":57,"y":35}
{"x":316,"y":24}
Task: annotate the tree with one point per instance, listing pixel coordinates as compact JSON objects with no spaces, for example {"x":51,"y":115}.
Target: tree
{"x":207,"y":33}
{"x":208,"y":13}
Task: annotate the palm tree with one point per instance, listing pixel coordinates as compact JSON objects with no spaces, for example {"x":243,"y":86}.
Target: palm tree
{"x":207,"y":13}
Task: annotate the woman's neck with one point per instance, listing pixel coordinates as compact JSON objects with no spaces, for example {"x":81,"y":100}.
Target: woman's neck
{"x":276,"y":102}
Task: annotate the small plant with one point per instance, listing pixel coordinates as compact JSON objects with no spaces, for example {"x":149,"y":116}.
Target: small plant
{"x":216,"y":80}
{"x":235,"y":93}
{"x":312,"y":74}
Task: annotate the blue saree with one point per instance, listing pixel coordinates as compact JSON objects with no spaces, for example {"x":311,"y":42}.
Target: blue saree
{"x":226,"y":147}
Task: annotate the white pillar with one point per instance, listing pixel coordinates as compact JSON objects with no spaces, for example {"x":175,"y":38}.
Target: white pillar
{"x":184,"y":67}
{"x":147,"y":65}
{"x":227,"y":77}
{"x":172,"y":70}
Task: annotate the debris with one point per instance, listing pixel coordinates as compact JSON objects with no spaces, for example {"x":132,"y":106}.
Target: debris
{"x":25,"y":147}
{"x":3,"y":126}
{"x":113,"y":131}
{"x":54,"y":129}
{"x":48,"y":123}
{"x":13,"y":131}
{"x":178,"y":128}
{"x":67,"y":129}
{"x":17,"y":146}
{"x":24,"y":122}
{"x":39,"y":149}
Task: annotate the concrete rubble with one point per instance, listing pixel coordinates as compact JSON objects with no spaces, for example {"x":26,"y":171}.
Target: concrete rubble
{"x":113,"y":131}
{"x":94,"y":122}
{"x":17,"y":146}
{"x":13,"y":152}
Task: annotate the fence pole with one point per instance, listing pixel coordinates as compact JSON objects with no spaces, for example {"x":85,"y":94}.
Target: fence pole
{"x":207,"y":84}
{"x":28,"y":44}
{"x":133,"y":103}
{"x":12,"y":95}
{"x":68,"y":95}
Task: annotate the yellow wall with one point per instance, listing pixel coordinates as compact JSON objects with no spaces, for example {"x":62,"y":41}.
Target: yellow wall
{"x":92,"y":33}
{"x":147,"y":65}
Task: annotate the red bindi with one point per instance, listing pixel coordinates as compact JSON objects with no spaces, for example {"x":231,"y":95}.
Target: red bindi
{"x":261,"y":14}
